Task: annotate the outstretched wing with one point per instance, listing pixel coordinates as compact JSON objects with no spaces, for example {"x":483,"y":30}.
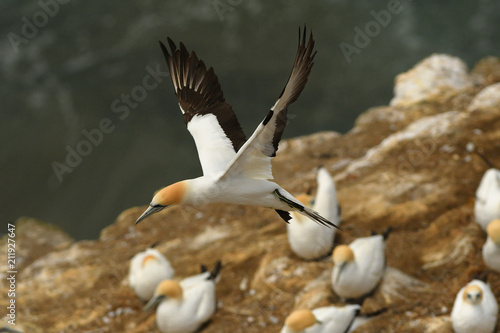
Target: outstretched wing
{"x":209,"y":118}
{"x":254,"y":158}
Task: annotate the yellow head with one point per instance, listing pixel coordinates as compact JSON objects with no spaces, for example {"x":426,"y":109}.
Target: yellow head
{"x":472,"y":294}
{"x":169,"y":288}
{"x":167,"y":196}
{"x":166,"y":289}
{"x":493,"y":231}
{"x":148,"y":258}
{"x":342,"y":254}
{"x":299,"y":320}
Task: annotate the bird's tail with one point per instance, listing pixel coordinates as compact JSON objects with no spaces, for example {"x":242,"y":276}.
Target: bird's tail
{"x":313,"y":215}
{"x":214,"y":274}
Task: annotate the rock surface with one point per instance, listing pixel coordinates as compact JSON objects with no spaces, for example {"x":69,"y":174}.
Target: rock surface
{"x":411,"y":165}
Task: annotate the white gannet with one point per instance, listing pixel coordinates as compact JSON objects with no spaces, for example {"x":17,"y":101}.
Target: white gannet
{"x":147,"y":270}
{"x":491,"y":249}
{"x":475,"y":309}
{"x":487,"y":204}
{"x":235,"y":170}
{"x":185,"y":306}
{"x":359,"y":267}
{"x":329,"y":319}
{"x":310,"y":240}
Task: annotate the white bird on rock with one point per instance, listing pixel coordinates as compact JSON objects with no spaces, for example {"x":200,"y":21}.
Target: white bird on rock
{"x":487,"y":204}
{"x":310,"y":240}
{"x":147,"y":270}
{"x":183,"y":307}
{"x":359,"y":266}
{"x":491,"y":249}
{"x":235,"y":170}
{"x":475,"y":309}
{"x":329,"y":319}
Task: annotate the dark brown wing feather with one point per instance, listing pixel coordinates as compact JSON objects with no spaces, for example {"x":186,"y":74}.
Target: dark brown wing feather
{"x":295,"y":84}
{"x":198,"y":91}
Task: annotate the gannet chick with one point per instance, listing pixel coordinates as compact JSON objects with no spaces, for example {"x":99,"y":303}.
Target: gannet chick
{"x":475,"y":309}
{"x":310,"y":240}
{"x":487,"y":204}
{"x":147,"y":270}
{"x":329,"y":319}
{"x":491,"y":249}
{"x":184,"y":306}
{"x":359,"y":267}
{"x":235,"y":170}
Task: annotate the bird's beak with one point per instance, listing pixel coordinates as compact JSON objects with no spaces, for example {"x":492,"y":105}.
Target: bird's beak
{"x":151,"y":210}
{"x":339,"y":271}
{"x":152,"y":302}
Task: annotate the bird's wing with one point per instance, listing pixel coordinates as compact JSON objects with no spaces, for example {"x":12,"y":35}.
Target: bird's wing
{"x":254,"y":158}
{"x":209,"y":118}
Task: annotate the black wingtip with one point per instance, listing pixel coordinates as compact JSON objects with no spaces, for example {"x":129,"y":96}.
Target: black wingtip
{"x":215,"y":271}
{"x":164,"y":49}
{"x":171,"y":43}
{"x":284,"y":215}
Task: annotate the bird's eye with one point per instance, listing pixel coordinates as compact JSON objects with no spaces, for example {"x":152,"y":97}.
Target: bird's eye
{"x":157,"y":206}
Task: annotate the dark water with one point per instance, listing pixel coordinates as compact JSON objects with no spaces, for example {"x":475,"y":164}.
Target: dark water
{"x":67,"y":67}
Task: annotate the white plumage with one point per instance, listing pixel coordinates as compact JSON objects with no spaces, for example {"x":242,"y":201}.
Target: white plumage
{"x":329,"y":319}
{"x":491,"y":249}
{"x":235,"y":170}
{"x":487,"y":205}
{"x":475,"y":309}
{"x":147,"y":270}
{"x":308,"y":239}
{"x":359,"y":267}
{"x":186,"y":305}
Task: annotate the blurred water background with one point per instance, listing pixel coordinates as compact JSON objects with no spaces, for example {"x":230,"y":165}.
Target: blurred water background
{"x":67,"y":67}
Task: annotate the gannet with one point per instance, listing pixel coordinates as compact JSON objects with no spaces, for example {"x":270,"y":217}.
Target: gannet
{"x":186,"y":305}
{"x":147,"y":270}
{"x":491,"y":249}
{"x":359,"y":267}
{"x":487,"y":204}
{"x":329,"y":319}
{"x":475,"y":309}
{"x":235,"y":170}
{"x":310,"y":240}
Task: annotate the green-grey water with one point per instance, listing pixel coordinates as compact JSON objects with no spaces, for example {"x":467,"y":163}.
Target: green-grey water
{"x":70,"y":67}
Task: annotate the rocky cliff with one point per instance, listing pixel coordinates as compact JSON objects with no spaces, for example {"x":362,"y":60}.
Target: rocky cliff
{"x":411,"y":165}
